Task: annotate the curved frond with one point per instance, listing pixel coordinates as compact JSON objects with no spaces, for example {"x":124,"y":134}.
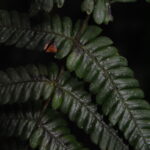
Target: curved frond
{"x":67,"y":95}
{"x":98,"y":62}
{"x":50,"y":132}
{"x":72,"y":99}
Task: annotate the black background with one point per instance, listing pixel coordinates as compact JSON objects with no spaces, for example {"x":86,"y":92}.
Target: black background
{"x":130,"y":32}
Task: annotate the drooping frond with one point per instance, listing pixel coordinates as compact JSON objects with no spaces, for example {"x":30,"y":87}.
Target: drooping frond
{"x":101,"y":9}
{"x":65,"y":93}
{"x":50,"y":132}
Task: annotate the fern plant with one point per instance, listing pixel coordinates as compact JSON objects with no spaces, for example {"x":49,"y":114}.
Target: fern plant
{"x":86,"y":90}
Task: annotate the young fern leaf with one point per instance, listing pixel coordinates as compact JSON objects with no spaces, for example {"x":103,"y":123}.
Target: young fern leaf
{"x":50,"y":132}
{"x":68,"y":96}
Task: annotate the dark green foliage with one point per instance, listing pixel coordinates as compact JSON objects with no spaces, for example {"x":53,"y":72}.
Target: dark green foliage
{"x":66,"y":93}
{"x":16,"y":29}
{"x":24,"y":84}
{"x":115,"y":87}
{"x":106,"y":69}
{"x":101,"y":9}
{"x":97,"y":64}
{"x":50,"y":131}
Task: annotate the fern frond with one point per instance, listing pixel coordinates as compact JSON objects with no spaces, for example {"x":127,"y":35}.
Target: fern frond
{"x":72,"y":99}
{"x":50,"y":132}
{"x":67,"y":95}
{"x":101,"y":9}
{"x":99,"y":63}
{"x":15,"y":29}
{"x":96,"y":61}
{"x":23,"y":84}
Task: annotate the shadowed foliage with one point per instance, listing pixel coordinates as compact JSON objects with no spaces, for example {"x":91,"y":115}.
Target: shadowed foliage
{"x":87,"y":83}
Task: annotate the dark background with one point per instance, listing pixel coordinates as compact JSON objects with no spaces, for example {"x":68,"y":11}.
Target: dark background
{"x":130,"y":32}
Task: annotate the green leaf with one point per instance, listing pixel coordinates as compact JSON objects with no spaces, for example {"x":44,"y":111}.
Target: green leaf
{"x":61,"y":31}
{"x":25,"y":83}
{"x":76,"y":103}
{"x":60,"y":3}
{"x":36,"y":138}
{"x":50,"y":131}
{"x":101,"y":9}
{"x":99,"y":63}
{"x":69,"y":97}
{"x":57,"y":99}
{"x":87,"y":6}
